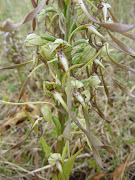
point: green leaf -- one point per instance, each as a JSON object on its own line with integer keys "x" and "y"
{"x": 64, "y": 151}
{"x": 129, "y": 141}
{"x": 57, "y": 125}
{"x": 5, "y": 98}
{"x": 12, "y": 87}
{"x": 46, "y": 111}
{"x": 55, "y": 177}
{"x": 48, "y": 38}
{"x": 121, "y": 46}
{"x": 67, "y": 167}
{"x": 15, "y": 66}
{"x": 45, "y": 146}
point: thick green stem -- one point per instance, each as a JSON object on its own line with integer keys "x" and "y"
{"x": 86, "y": 118}
{"x": 60, "y": 143}
{"x": 69, "y": 20}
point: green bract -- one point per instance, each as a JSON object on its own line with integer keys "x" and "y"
{"x": 88, "y": 53}
{"x": 91, "y": 81}
{"x": 75, "y": 83}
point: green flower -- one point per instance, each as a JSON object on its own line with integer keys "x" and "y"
{"x": 60, "y": 44}
{"x": 49, "y": 87}
{"x": 54, "y": 158}
{"x": 45, "y": 51}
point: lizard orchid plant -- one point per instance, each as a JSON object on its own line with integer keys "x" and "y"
{"x": 74, "y": 48}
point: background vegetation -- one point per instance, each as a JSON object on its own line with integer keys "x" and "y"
{"x": 21, "y": 163}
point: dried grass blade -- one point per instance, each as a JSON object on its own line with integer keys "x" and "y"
{"x": 8, "y": 26}
{"x": 23, "y": 88}
{"x": 15, "y": 66}
{"x": 113, "y": 16}
{"x": 94, "y": 142}
{"x": 129, "y": 35}
{"x": 120, "y": 65}
{"x": 34, "y": 3}
{"x": 34, "y": 24}
{"x": 22, "y": 142}
{"x": 106, "y": 89}
{"x": 99, "y": 111}
{"x": 126, "y": 91}
{"x": 122, "y": 46}
{"x": 115, "y": 27}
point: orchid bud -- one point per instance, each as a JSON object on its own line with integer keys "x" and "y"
{"x": 103, "y": 50}
{"x": 51, "y": 90}
{"x": 78, "y": 96}
{"x": 41, "y": 16}
{"x": 63, "y": 59}
{"x": 104, "y": 9}
{"x": 60, "y": 46}
{"x": 34, "y": 40}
